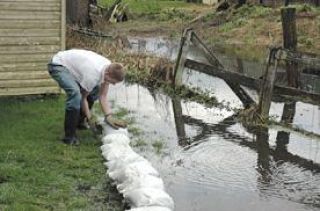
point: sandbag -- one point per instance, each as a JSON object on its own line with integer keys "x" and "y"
{"x": 119, "y": 163}
{"x": 144, "y": 197}
{"x": 108, "y": 130}
{"x": 133, "y": 171}
{"x": 117, "y": 152}
{"x": 145, "y": 181}
{"x": 116, "y": 137}
{"x": 152, "y": 208}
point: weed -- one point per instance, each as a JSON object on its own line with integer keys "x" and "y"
{"x": 139, "y": 143}
{"x": 158, "y": 145}
{"x": 134, "y": 131}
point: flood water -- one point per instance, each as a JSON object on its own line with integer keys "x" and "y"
{"x": 209, "y": 161}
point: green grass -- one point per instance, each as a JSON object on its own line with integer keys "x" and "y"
{"x": 158, "y": 146}
{"x": 147, "y": 6}
{"x": 38, "y": 172}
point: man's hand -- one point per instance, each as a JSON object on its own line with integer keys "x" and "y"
{"x": 115, "y": 123}
{"x": 92, "y": 122}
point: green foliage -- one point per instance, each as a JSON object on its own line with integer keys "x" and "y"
{"x": 38, "y": 172}
{"x": 139, "y": 143}
{"x": 174, "y": 14}
{"x": 147, "y": 6}
{"x": 158, "y": 145}
{"x": 247, "y": 11}
{"x": 305, "y": 8}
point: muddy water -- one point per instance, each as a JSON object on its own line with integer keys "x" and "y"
{"x": 209, "y": 162}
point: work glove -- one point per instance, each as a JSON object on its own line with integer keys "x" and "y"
{"x": 92, "y": 122}
{"x": 113, "y": 122}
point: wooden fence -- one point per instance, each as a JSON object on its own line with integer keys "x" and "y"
{"x": 31, "y": 31}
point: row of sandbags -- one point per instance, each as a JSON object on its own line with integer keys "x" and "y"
{"x": 133, "y": 175}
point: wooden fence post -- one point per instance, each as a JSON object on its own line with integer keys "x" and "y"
{"x": 182, "y": 55}
{"x": 180, "y": 125}
{"x": 288, "y": 16}
{"x": 267, "y": 85}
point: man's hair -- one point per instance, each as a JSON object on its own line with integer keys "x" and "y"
{"x": 116, "y": 71}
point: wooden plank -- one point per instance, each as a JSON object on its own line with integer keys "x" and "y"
{"x": 214, "y": 71}
{"x": 24, "y": 75}
{"x": 18, "y": 6}
{"x": 300, "y": 57}
{"x": 266, "y": 90}
{"x": 243, "y": 96}
{"x": 301, "y": 95}
{"x": 182, "y": 55}
{"x": 27, "y": 24}
{"x": 32, "y": 1}
{"x": 29, "y": 32}
{"x": 27, "y": 15}
{"x": 29, "y": 41}
{"x": 29, "y": 91}
{"x": 27, "y": 83}
{"x": 26, "y": 57}
{"x": 63, "y": 24}
{"x": 207, "y": 53}
{"x": 23, "y": 66}
{"x": 26, "y": 49}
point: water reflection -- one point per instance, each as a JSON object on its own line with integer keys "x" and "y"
{"x": 270, "y": 161}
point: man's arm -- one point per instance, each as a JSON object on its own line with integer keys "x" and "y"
{"x": 103, "y": 98}
{"x": 84, "y": 104}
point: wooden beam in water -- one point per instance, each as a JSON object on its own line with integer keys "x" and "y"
{"x": 195, "y": 40}
{"x": 253, "y": 83}
{"x": 266, "y": 89}
{"x": 225, "y": 75}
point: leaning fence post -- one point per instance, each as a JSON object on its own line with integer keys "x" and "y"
{"x": 266, "y": 89}
{"x": 288, "y": 16}
{"x": 182, "y": 55}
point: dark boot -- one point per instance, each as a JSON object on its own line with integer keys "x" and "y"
{"x": 70, "y": 125}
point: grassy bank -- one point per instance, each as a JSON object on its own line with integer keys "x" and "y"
{"x": 37, "y": 172}
{"x": 246, "y": 32}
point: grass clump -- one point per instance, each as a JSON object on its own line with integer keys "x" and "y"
{"x": 147, "y": 7}
{"x": 139, "y": 143}
{"x": 158, "y": 146}
{"x": 38, "y": 172}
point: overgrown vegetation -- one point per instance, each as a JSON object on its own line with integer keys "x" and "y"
{"x": 150, "y": 7}
{"x": 246, "y": 31}
{"x": 38, "y": 172}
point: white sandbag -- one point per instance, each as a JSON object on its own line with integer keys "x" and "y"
{"x": 144, "y": 197}
{"x": 107, "y": 129}
{"x": 145, "y": 181}
{"x": 114, "y": 145}
{"x": 123, "y": 161}
{"x": 133, "y": 171}
{"x": 152, "y": 208}
{"x": 117, "y": 152}
{"x": 116, "y": 137}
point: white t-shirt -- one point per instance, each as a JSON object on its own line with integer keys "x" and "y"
{"x": 86, "y": 66}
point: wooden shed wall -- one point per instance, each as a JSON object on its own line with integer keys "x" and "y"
{"x": 31, "y": 31}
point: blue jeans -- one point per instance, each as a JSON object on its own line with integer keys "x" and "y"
{"x": 68, "y": 83}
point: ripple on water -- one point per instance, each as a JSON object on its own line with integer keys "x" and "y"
{"x": 218, "y": 164}
{"x": 288, "y": 181}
